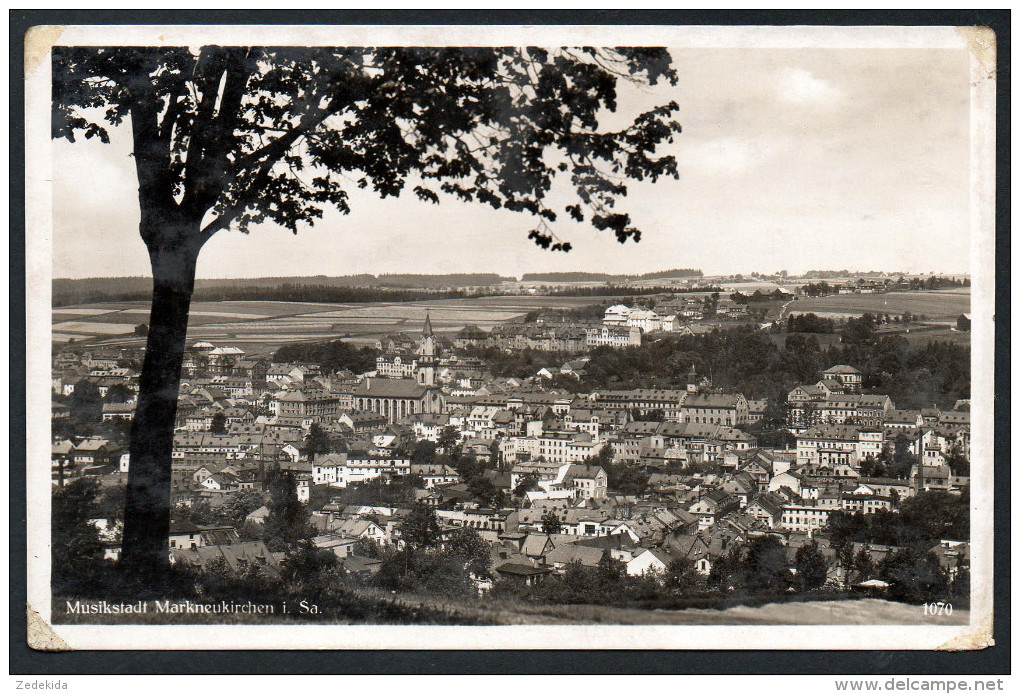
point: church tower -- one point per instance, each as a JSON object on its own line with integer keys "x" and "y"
{"x": 427, "y": 356}
{"x": 692, "y": 380}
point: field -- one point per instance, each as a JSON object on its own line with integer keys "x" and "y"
{"x": 937, "y": 306}
{"x": 262, "y": 326}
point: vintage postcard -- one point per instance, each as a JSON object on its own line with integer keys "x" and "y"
{"x": 510, "y": 337}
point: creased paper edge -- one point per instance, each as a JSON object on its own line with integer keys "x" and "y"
{"x": 982, "y": 44}
{"x": 41, "y": 636}
{"x": 972, "y": 640}
{"x": 38, "y": 42}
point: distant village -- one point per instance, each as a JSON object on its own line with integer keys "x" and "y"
{"x": 545, "y": 490}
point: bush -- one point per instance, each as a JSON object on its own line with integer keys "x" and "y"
{"x": 914, "y": 575}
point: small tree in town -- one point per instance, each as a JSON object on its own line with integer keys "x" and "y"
{"x": 914, "y": 575}
{"x": 449, "y": 437}
{"x": 287, "y": 521}
{"x": 682, "y": 577}
{"x": 551, "y": 523}
{"x": 812, "y": 567}
{"x": 218, "y": 424}
{"x": 525, "y": 484}
{"x": 318, "y": 441}
{"x": 764, "y": 567}
{"x": 470, "y": 547}
{"x": 420, "y": 529}
{"x": 118, "y": 393}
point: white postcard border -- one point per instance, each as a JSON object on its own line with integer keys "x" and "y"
{"x": 300, "y": 636}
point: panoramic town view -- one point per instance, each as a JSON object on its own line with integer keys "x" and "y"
{"x": 480, "y": 335}
{"x": 554, "y": 448}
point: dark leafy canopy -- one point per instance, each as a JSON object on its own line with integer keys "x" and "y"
{"x": 812, "y": 568}
{"x": 288, "y": 519}
{"x": 257, "y": 134}
{"x": 334, "y": 355}
{"x": 926, "y": 518}
{"x": 421, "y": 527}
{"x": 914, "y": 575}
{"x": 551, "y": 523}
{"x": 77, "y": 546}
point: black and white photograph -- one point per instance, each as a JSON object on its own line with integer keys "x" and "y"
{"x": 578, "y": 336}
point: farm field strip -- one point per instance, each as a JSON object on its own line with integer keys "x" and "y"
{"x": 217, "y": 314}
{"x": 417, "y": 312}
{"x": 93, "y": 327}
{"x": 931, "y": 304}
{"x": 79, "y": 311}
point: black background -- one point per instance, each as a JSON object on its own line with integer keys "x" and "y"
{"x": 23, "y": 660}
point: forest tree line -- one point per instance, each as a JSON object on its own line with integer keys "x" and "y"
{"x": 746, "y": 360}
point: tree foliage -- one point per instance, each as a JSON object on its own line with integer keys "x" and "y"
{"x": 681, "y": 577}
{"x": 257, "y": 134}
{"x": 77, "y": 548}
{"x": 914, "y": 575}
{"x": 319, "y": 442}
{"x": 925, "y": 518}
{"x": 471, "y": 548}
{"x": 86, "y": 403}
{"x": 420, "y": 528}
{"x": 449, "y": 437}
{"x": 810, "y": 323}
{"x": 811, "y": 565}
{"x": 288, "y": 518}
{"x": 334, "y": 355}
{"x": 218, "y": 424}
{"x": 525, "y": 484}
{"x": 433, "y": 572}
{"x": 746, "y": 360}
{"x": 765, "y": 566}
{"x": 551, "y": 523}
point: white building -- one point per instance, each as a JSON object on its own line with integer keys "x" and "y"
{"x": 613, "y": 336}
{"x": 340, "y": 469}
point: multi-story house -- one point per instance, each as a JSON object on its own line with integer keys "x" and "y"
{"x": 714, "y": 408}
{"x": 850, "y": 377}
{"x": 342, "y": 469}
{"x": 396, "y": 365}
{"x": 612, "y": 336}
{"x": 805, "y": 517}
{"x": 643, "y": 401}
{"x": 300, "y": 405}
{"x": 819, "y": 445}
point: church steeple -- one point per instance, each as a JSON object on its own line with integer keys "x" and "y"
{"x": 692, "y": 380}
{"x": 427, "y": 355}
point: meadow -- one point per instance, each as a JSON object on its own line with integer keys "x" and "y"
{"x": 938, "y": 306}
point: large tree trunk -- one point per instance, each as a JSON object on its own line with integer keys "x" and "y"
{"x": 173, "y": 253}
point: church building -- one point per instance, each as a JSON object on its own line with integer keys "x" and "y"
{"x": 396, "y": 398}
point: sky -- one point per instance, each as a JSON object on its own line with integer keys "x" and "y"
{"x": 792, "y": 159}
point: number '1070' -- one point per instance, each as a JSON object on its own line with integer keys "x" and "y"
{"x": 938, "y": 608}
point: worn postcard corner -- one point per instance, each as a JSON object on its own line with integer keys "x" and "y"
{"x": 972, "y": 639}
{"x": 41, "y": 636}
{"x": 38, "y": 42}
{"x": 982, "y": 44}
